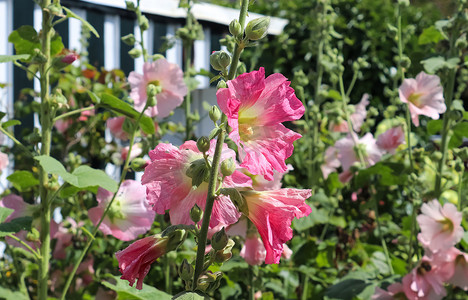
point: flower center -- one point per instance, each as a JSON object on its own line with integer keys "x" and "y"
{"x": 246, "y": 127}
{"x": 115, "y": 211}
{"x": 447, "y": 225}
{"x": 415, "y": 98}
{"x": 155, "y": 82}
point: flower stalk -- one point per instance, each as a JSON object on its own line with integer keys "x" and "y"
{"x": 213, "y": 182}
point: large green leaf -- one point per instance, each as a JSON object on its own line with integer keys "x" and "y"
{"x": 4, "y": 213}
{"x": 125, "y": 291}
{"x": 15, "y": 225}
{"x": 8, "y": 294}
{"x": 8, "y": 58}
{"x": 23, "y": 180}
{"x": 25, "y": 39}
{"x": 82, "y": 177}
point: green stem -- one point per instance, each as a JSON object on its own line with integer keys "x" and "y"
{"x": 18, "y": 143}
{"x": 46, "y": 116}
{"x": 167, "y": 275}
{"x": 19, "y": 65}
{"x": 305, "y": 291}
{"x": 188, "y": 44}
{"x": 73, "y": 112}
{"x": 36, "y": 255}
{"x": 96, "y": 228}
{"x": 251, "y": 283}
{"x": 379, "y": 228}
{"x": 216, "y": 160}
{"x": 351, "y": 85}
{"x": 142, "y": 43}
{"x": 460, "y": 189}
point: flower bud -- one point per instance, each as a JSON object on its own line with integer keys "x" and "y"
{"x": 461, "y": 42}
{"x": 134, "y": 53}
{"x": 219, "y": 240}
{"x": 228, "y": 166}
{"x": 203, "y": 144}
{"x": 176, "y": 238}
{"x": 235, "y": 28}
{"x": 139, "y": 164}
{"x": 405, "y": 62}
{"x": 203, "y": 283}
{"x": 143, "y": 23}
{"x": 196, "y": 214}
{"x": 155, "y": 57}
{"x": 186, "y": 270}
{"x": 70, "y": 57}
{"x": 221, "y": 84}
{"x": 241, "y": 69}
{"x": 129, "y": 39}
{"x": 225, "y": 254}
{"x": 404, "y": 3}
{"x": 257, "y": 28}
{"x": 220, "y": 60}
{"x": 130, "y": 5}
{"x": 215, "y": 113}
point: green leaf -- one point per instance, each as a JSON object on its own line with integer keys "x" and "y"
{"x": 113, "y": 103}
{"x": 459, "y": 132}
{"x": 434, "y": 64}
{"x": 4, "y": 213}
{"x": 94, "y": 97}
{"x": 8, "y": 294}
{"x": 15, "y": 225}
{"x": 10, "y": 123}
{"x": 8, "y": 58}
{"x": 317, "y": 216}
{"x": 348, "y": 289}
{"x": 23, "y": 180}
{"x": 387, "y": 174}
{"x": 71, "y": 14}
{"x": 25, "y": 40}
{"x": 82, "y": 177}
{"x": 430, "y": 35}
{"x": 124, "y": 291}
{"x": 190, "y": 296}
{"x": 434, "y": 126}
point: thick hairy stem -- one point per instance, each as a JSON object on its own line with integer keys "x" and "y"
{"x": 46, "y": 125}
{"x": 215, "y": 165}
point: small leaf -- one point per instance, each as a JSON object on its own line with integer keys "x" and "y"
{"x": 15, "y": 225}
{"x": 23, "y": 180}
{"x": 8, "y": 58}
{"x": 124, "y": 291}
{"x": 10, "y": 123}
{"x": 430, "y": 35}
{"x": 71, "y": 14}
{"x": 87, "y": 176}
{"x": 94, "y": 97}
{"x": 190, "y": 296}
{"x": 214, "y": 133}
{"x": 4, "y": 213}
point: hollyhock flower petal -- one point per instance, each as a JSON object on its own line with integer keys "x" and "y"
{"x": 129, "y": 215}
{"x": 64, "y": 237}
{"x": 136, "y": 151}
{"x": 347, "y": 153}
{"x": 394, "y": 291}
{"x": 115, "y": 126}
{"x": 164, "y": 74}
{"x": 357, "y": 118}
{"x": 287, "y": 252}
{"x": 424, "y": 96}
{"x": 253, "y": 251}
{"x": 256, "y": 106}
{"x": 331, "y": 162}
{"x": 4, "y": 161}
{"x": 391, "y": 139}
{"x": 272, "y": 213}
{"x": 440, "y": 226}
{"x": 460, "y": 265}
{"x": 62, "y": 125}
{"x": 135, "y": 260}
{"x": 15, "y": 202}
{"x": 169, "y": 187}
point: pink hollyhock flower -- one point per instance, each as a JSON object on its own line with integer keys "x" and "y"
{"x": 460, "y": 265}
{"x": 160, "y": 73}
{"x": 86, "y": 114}
{"x": 424, "y": 96}
{"x": 287, "y": 252}
{"x": 357, "y": 118}
{"x": 347, "y": 150}
{"x": 115, "y": 126}
{"x": 21, "y": 208}
{"x": 331, "y": 162}
{"x": 259, "y": 183}
{"x": 85, "y": 273}
{"x": 129, "y": 216}
{"x": 272, "y": 212}
{"x": 62, "y": 125}
{"x": 136, "y": 151}
{"x": 4, "y": 161}
{"x": 255, "y": 108}
{"x": 253, "y": 250}
{"x": 135, "y": 260}
{"x": 64, "y": 237}
{"x": 426, "y": 281}
{"x": 391, "y": 139}
{"x": 169, "y": 187}
{"x": 440, "y": 226}
{"x": 394, "y": 291}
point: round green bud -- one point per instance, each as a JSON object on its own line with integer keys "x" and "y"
{"x": 143, "y": 23}
{"x": 196, "y": 214}
{"x": 129, "y": 39}
{"x": 215, "y": 113}
{"x": 235, "y": 28}
{"x": 450, "y": 196}
{"x": 130, "y": 5}
{"x": 151, "y": 90}
{"x": 219, "y": 240}
{"x": 437, "y": 155}
{"x": 228, "y": 166}
{"x": 257, "y": 28}
{"x": 138, "y": 164}
{"x": 155, "y": 57}
{"x": 134, "y": 53}
{"x": 221, "y": 84}
{"x": 403, "y": 3}
{"x": 186, "y": 270}
{"x": 405, "y": 62}
{"x": 203, "y": 144}
{"x": 220, "y": 60}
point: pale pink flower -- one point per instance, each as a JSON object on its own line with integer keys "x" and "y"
{"x": 460, "y": 265}
{"x": 272, "y": 213}
{"x": 331, "y": 162}
{"x": 136, "y": 151}
{"x": 63, "y": 124}
{"x": 160, "y": 73}
{"x": 287, "y": 252}
{"x": 21, "y": 208}
{"x": 424, "y": 96}
{"x": 129, "y": 216}
{"x": 135, "y": 260}
{"x": 115, "y": 126}
{"x": 253, "y": 250}
{"x": 4, "y": 161}
{"x": 394, "y": 291}
{"x": 426, "y": 281}
{"x": 391, "y": 139}
{"x": 85, "y": 273}
{"x": 169, "y": 187}
{"x": 440, "y": 226}
{"x": 357, "y": 118}
{"x": 347, "y": 153}
{"x": 255, "y": 108}
{"x": 64, "y": 236}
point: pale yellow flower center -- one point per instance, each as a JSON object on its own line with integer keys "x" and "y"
{"x": 415, "y": 98}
